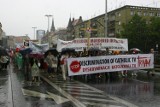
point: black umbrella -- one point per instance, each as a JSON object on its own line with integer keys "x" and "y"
{"x": 3, "y": 52}
{"x": 25, "y": 51}
{"x": 93, "y": 49}
{"x": 53, "y": 51}
{"x": 67, "y": 50}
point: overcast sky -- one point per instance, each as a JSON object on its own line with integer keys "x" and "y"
{"x": 19, "y": 16}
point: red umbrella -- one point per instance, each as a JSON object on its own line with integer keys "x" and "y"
{"x": 135, "y": 49}
{"x": 17, "y": 49}
{"x": 36, "y": 55}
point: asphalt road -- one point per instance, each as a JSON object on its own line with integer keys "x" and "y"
{"x": 140, "y": 91}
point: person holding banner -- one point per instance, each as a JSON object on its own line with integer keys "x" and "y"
{"x": 84, "y": 53}
{"x": 63, "y": 62}
{"x": 134, "y": 72}
{"x": 124, "y": 72}
{"x": 152, "y": 71}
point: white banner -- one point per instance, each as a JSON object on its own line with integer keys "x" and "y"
{"x": 99, "y": 64}
{"x": 44, "y": 46}
{"x": 79, "y": 43}
{"x": 35, "y": 48}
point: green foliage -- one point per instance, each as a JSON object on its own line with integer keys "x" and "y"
{"x": 141, "y": 35}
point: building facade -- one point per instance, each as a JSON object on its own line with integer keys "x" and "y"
{"x": 10, "y": 42}
{"x": 1, "y": 34}
{"x": 49, "y": 36}
{"x": 40, "y": 34}
{"x": 95, "y": 27}
{"x": 19, "y": 40}
{"x": 71, "y": 31}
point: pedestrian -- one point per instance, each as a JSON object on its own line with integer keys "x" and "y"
{"x": 35, "y": 70}
{"x": 63, "y": 63}
{"x": 50, "y": 59}
{"x": 27, "y": 68}
{"x": 107, "y": 51}
{"x": 134, "y": 72}
{"x": 107, "y": 74}
{"x": 19, "y": 61}
{"x": 84, "y": 53}
{"x": 124, "y": 72}
{"x": 4, "y": 60}
{"x": 152, "y": 71}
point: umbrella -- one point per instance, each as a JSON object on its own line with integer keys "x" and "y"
{"x": 93, "y": 49}
{"x": 3, "y": 52}
{"x": 52, "y": 50}
{"x": 25, "y": 51}
{"x": 135, "y": 49}
{"x": 67, "y": 50}
{"x": 36, "y": 55}
{"x": 17, "y": 49}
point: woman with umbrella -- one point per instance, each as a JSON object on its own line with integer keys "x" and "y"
{"x": 52, "y": 63}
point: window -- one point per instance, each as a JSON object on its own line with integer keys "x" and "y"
{"x": 145, "y": 13}
{"x": 147, "y": 22}
{"x": 132, "y": 13}
{"x": 151, "y": 14}
{"x": 118, "y": 30}
{"x": 119, "y": 23}
{"x": 119, "y": 14}
{"x": 139, "y": 13}
{"x": 158, "y": 14}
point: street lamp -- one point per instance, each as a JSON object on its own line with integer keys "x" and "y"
{"x": 48, "y": 16}
{"x": 157, "y": 47}
{"x": 34, "y": 28}
{"x": 106, "y": 21}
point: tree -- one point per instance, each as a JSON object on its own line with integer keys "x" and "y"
{"x": 136, "y": 31}
{"x": 154, "y": 37}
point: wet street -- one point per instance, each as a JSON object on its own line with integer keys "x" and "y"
{"x": 142, "y": 91}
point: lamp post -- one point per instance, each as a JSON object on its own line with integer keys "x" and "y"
{"x": 48, "y": 16}
{"x": 106, "y": 21}
{"x": 157, "y": 47}
{"x": 34, "y": 28}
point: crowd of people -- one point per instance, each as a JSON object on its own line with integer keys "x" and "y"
{"x": 4, "y": 61}
{"x": 57, "y": 64}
